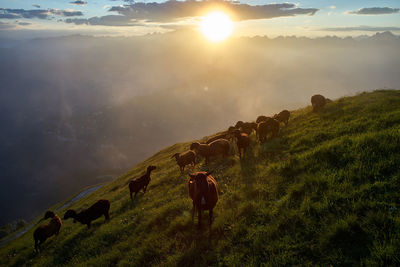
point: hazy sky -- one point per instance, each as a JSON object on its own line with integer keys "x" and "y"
{"x": 252, "y": 17}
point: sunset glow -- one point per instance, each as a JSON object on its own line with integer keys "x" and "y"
{"x": 216, "y": 26}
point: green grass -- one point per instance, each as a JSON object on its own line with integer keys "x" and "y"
{"x": 325, "y": 192}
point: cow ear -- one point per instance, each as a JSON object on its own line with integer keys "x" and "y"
{"x": 209, "y": 173}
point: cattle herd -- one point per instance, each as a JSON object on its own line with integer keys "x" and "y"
{"x": 202, "y": 186}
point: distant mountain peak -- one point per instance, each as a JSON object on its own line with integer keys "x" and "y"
{"x": 384, "y": 36}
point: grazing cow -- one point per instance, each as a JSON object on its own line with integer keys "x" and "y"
{"x": 283, "y": 116}
{"x": 86, "y": 216}
{"x": 185, "y": 158}
{"x": 47, "y": 230}
{"x": 262, "y": 118}
{"x": 215, "y": 148}
{"x": 266, "y": 127}
{"x": 318, "y": 102}
{"x": 246, "y": 127}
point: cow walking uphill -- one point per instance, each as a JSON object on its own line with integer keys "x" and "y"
{"x": 141, "y": 183}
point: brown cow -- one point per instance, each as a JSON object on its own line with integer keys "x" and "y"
{"x": 283, "y": 116}
{"x": 142, "y": 182}
{"x": 86, "y": 216}
{"x": 185, "y": 158}
{"x": 242, "y": 142}
{"x": 215, "y": 148}
{"x": 262, "y": 118}
{"x": 318, "y": 102}
{"x": 246, "y": 127}
{"x": 203, "y": 190}
{"x": 47, "y": 230}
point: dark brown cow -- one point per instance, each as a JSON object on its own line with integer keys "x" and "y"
{"x": 318, "y": 102}
{"x": 215, "y": 148}
{"x": 86, "y": 216}
{"x": 142, "y": 182}
{"x": 262, "y": 118}
{"x": 203, "y": 190}
{"x": 185, "y": 158}
{"x": 47, "y": 230}
{"x": 242, "y": 142}
{"x": 246, "y": 127}
{"x": 283, "y": 116}
{"x": 266, "y": 127}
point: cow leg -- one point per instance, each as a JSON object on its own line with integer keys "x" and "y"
{"x": 211, "y": 217}
{"x": 199, "y": 218}
{"x": 37, "y": 246}
{"x": 106, "y": 216}
{"x": 193, "y": 211}
{"x": 131, "y": 195}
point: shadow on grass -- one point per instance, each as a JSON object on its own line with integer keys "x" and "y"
{"x": 71, "y": 247}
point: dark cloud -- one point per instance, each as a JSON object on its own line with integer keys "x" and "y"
{"x": 37, "y": 6}
{"x": 133, "y": 13}
{"x": 8, "y": 13}
{"x": 172, "y": 10}
{"x": 78, "y": 2}
{"x": 109, "y": 20}
{"x": 23, "y": 23}
{"x": 66, "y": 13}
{"x": 22, "y": 13}
{"x": 360, "y": 28}
{"x": 375, "y": 11}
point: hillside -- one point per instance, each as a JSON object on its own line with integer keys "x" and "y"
{"x": 326, "y": 191}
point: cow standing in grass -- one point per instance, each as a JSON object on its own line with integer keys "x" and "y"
{"x": 203, "y": 190}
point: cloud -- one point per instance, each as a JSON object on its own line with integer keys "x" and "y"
{"x": 109, "y": 20}
{"x": 6, "y": 26}
{"x": 66, "y": 12}
{"x": 8, "y": 13}
{"x": 23, "y": 23}
{"x": 133, "y": 13}
{"x": 360, "y": 28}
{"x": 78, "y": 2}
{"x": 8, "y": 16}
{"x": 173, "y": 10}
{"x": 375, "y": 11}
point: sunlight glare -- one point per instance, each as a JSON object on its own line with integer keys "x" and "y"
{"x": 216, "y": 26}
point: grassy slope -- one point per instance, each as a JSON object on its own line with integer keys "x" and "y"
{"x": 327, "y": 191}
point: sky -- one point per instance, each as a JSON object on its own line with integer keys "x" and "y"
{"x": 252, "y": 17}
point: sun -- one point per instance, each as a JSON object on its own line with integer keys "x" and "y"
{"x": 216, "y": 26}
